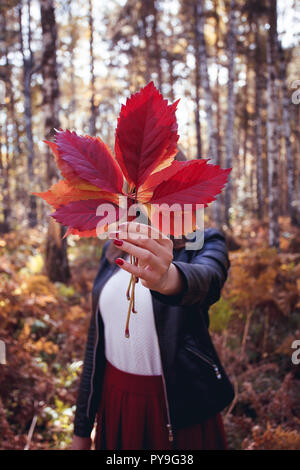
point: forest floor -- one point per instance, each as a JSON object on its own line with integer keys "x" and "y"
{"x": 253, "y": 325}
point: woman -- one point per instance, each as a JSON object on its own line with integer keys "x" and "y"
{"x": 163, "y": 387}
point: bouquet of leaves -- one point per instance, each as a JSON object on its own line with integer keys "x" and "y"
{"x": 142, "y": 170}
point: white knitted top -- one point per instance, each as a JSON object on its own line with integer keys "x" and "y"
{"x": 138, "y": 354}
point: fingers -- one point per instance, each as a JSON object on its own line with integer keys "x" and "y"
{"x": 142, "y": 230}
{"x": 138, "y": 271}
{"x": 145, "y": 257}
{"x": 145, "y": 236}
{"x": 154, "y": 255}
{"x": 147, "y": 243}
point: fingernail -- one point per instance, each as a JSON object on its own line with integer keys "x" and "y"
{"x": 119, "y": 261}
{"x": 118, "y": 242}
{"x": 114, "y": 235}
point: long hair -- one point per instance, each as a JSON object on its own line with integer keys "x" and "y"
{"x": 114, "y": 252}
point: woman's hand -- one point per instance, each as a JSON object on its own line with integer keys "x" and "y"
{"x": 154, "y": 252}
{"x": 81, "y": 443}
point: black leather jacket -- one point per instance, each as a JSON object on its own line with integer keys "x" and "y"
{"x": 195, "y": 383}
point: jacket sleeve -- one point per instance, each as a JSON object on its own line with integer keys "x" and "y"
{"x": 205, "y": 274}
{"x": 83, "y": 423}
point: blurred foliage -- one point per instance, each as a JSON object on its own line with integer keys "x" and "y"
{"x": 220, "y": 315}
{"x": 274, "y": 438}
{"x": 44, "y": 326}
{"x": 254, "y": 325}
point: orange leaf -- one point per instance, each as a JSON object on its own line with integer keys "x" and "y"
{"x": 62, "y": 193}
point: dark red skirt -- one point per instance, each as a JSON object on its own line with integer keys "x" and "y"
{"x": 132, "y": 416}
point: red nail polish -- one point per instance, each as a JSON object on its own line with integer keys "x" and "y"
{"x": 119, "y": 261}
{"x": 118, "y": 242}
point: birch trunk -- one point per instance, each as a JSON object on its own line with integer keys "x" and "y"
{"x": 3, "y": 226}
{"x": 231, "y": 107}
{"x": 171, "y": 77}
{"x": 6, "y": 163}
{"x": 204, "y": 77}
{"x": 258, "y": 124}
{"x": 6, "y": 175}
{"x": 212, "y": 131}
{"x": 56, "y": 247}
{"x": 246, "y": 120}
{"x": 287, "y": 138}
{"x": 218, "y": 94}
{"x": 72, "y": 107}
{"x": 298, "y": 146}
{"x": 197, "y": 86}
{"x": 27, "y": 72}
{"x": 272, "y": 136}
{"x": 147, "y": 46}
{"x": 157, "y": 45}
{"x": 92, "y": 71}
{"x": 218, "y": 205}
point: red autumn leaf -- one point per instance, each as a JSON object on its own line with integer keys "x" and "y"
{"x": 146, "y": 190}
{"x": 198, "y": 182}
{"x": 66, "y": 170}
{"x": 82, "y": 215}
{"x": 146, "y": 135}
{"x": 174, "y": 223}
{"x": 90, "y": 159}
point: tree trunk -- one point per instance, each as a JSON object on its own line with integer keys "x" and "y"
{"x": 297, "y": 147}
{"x": 259, "y": 86}
{"x": 56, "y": 247}
{"x": 298, "y": 153}
{"x": 231, "y": 107}
{"x": 272, "y": 136}
{"x": 246, "y": 119}
{"x": 212, "y": 131}
{"x": 147, "y": 45}
{"x": 92, "y": 71}
{"x": 218, "y": 94}
{"x": 6, "y": 175}
{"x": 72, "y": 107}
{"x": 157, "y": 45}
{"x": 204, "y": 77}
{"x": 27, "y": 71}
{"x": 16, "y": 152}
{"x": 197, "y": 85}
{"x": 219, "y": 203}
{"x": 287, "y": 138}
{"x": 171, "y": 77}
{"x": 5, "y": 225}
{"x": 6, "y": 167}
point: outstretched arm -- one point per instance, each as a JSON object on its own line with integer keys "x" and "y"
{"x": 175, "y": 282}
{"x": 204, "y": 275}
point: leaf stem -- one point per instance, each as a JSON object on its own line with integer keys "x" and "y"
{"x": 131, "y": 306}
